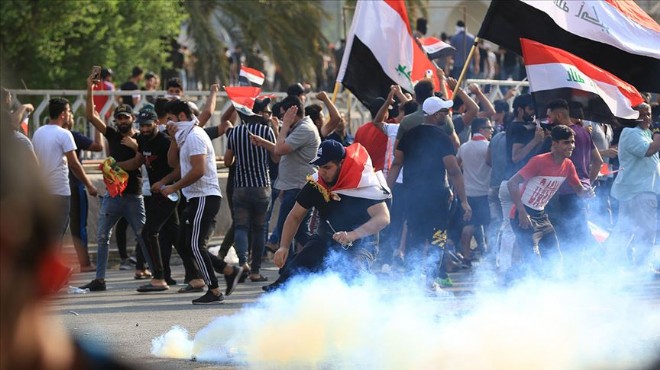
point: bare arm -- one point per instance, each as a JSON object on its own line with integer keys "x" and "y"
{"x": 198, "y": 164}
{"x": 229, "y": 116}
{"x": 596, "y": 163}
{"x": 379, "y": 120}
{"x": 209, "y": 107}
{"x": 17, "y": 116}
{"x": 456, "y": 178}
{"x": 380, "y": 217}
{"x": 281, "y": 147}
{"x": 514, "y": 189}
{"x": 289, "y": 229}
{"x": 79, "y": 172}
{"x": 269, "y": 145}
{"x": 172, "y": 176}
{"x": 229, "y": 158}
{"x": 91, "y": 114}
{"x": 97, "y": 145}
{"x": 487, "y": 105}
{"x": 332, "y": 123}
{"x": 395, "y": 168}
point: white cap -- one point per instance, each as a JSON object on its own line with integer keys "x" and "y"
{"x": 433, "y": 104}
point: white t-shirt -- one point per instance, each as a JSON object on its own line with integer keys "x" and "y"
{"x": 198, "y": 142}
{"x": 50, "y": 143}
{"x": 476, "y": 172}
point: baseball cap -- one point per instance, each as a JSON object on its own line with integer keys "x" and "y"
{"x": 433, "y": 104}
{"x": 146, "y": 116}
{"x": 260, "y": 105}
{"x": 329, "y": 150}
{"x": 124, "y": 109}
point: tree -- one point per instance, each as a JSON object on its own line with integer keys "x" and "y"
{"x": 53, "y": 44}
{"x": 287, "y": 31}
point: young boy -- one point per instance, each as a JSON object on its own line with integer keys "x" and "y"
{"x": 541, "y": 177}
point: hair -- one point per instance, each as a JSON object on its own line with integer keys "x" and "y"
{"x": 160, "y": 106}
{"x": 477, "y": 124}
{"x": 177, "y": 106}
{"x": 458, "y": 103}
{"x": 56, "y": 106}
{"x": 642, "y": 106}
{"x": 501, "y": 106}
{"x": 460, "y": 24}
{"x": 276, "y": 110}
{"x": 149, "y": 75}
{"x": 314, "y": 111}
{"x": 136, "y": 71}
{"x": 575, "y": 110}
{"x": 558, "y": 104}
{"x": 291, "y": 101}
{"x": 522, "y": 101}
{"x": 174, "y": 82}
{"x": 409, "y": 107}
{"x": 423, "y": 90}
{"x": 561, "y": 132}
{"x": 105, "y": 72}
{"x": 421, "y": 25}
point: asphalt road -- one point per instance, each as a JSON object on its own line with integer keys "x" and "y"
{"x": 125, "y": 322}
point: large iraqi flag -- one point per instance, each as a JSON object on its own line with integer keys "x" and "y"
{"x": 381, "y": 51}
{"x": 616, "y": 35}
{"x": 552, "y": 70}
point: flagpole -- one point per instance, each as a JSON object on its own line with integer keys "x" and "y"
{"x": 336, "y": 91}
{"x": 467, "y": 63}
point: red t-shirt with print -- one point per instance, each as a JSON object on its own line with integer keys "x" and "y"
{"x": 543, "y": 177}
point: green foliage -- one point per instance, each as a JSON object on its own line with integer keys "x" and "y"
{"x": 52, "y": 44}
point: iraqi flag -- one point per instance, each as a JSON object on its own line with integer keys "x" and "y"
{"x": 616, "y": 35}
{"x": 436, "y": 48}
{"x": 381, "y": 51}
{"x": 357, "y": 178}
{"x": 251, "y": 77}
{"x": 242, "y": 98}
{"x": 550, "y": 69}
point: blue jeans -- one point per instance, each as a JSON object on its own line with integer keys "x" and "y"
{"x": 250, "y": 209}
{"x": 129, "y": 206}
{"x": 286, "y": 205}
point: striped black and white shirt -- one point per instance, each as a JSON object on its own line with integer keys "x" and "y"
{"x": 251, "y": 160}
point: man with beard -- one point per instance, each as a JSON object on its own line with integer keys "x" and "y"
{"x": 428, "y": 157}
{"x": 130, "y": 203}
{"x": 199, "y": 184}
{"x": 523, "y": 141}
{"x": 152, "y": 146}
{"x": 350, "y": 198}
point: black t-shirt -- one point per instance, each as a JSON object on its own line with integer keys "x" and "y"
{"x": 123, "y": 153}
{"x": 424, "y": 148}
{"x": 155, "y": 155}
{"x": 518, "y": 133}
{"x": 128, "y": 86}
{"x": 346, "y": 214}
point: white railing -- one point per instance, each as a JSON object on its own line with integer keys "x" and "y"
{"x": 356, "y": 113}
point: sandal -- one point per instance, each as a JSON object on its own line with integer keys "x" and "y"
{"x": 142, "y": 274}
{"x": 152, "y": 288}
{"x": 259, "y": 279}
{"x": 190, "y": 289}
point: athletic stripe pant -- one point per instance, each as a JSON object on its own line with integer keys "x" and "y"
{"x": 198, "y": 220}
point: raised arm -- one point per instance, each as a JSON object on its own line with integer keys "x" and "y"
{"x": 332, "y": 123}
{"x": 489, "y": 110}
{"x": 90, "y": 112}
{"x": 209, "y": 107}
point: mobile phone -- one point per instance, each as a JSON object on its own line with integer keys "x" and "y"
{"x": 96, "y": 73}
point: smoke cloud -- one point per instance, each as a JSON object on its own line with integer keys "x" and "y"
{"x": 597, "y": 322}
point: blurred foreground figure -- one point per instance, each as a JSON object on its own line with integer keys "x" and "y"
{"x": 29, "y": 268}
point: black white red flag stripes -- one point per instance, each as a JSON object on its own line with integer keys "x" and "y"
{"x": 436, "y": 48}
{"x": 380, "y": 51}
{"x": 251, "y": 77}
{"x": 242, "y": 98}
{"x": 616, "y": 35}
{"x": 550, "y": 68}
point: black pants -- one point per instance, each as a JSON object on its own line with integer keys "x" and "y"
{"x": 313, "y": 258}
{"x": 198, "y": 221}
{"x": 160, "y": 232}
{"x": 120, "y": 236}
{"x": 539, "y": 246}
{"x": 182, "y": 249}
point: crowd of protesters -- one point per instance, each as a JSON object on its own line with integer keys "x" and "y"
{"x": 464, "y": 180}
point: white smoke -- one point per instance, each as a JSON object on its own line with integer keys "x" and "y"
{"x": 323, "y": 322}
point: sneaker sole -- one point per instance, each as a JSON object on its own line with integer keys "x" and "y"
{"x": 207, "y": 303}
